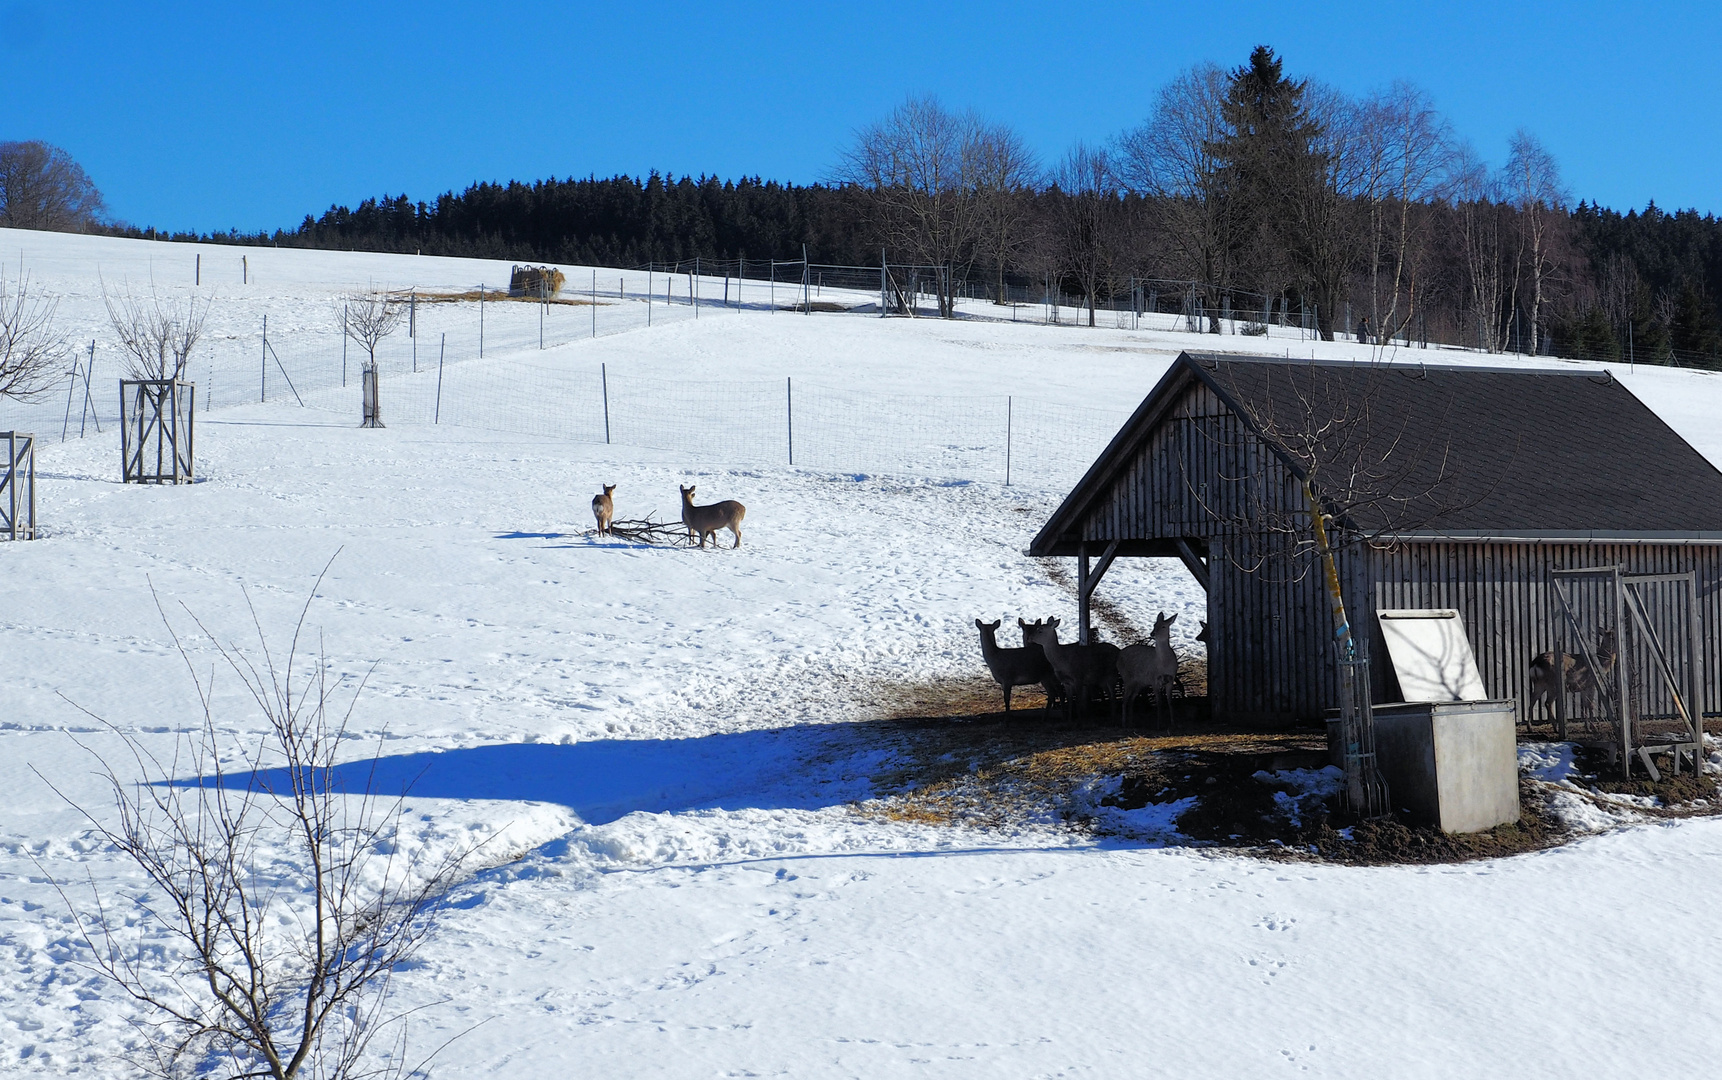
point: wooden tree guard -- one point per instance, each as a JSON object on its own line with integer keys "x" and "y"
{"x": 156, "y": 430}
{"x": 373, "y": 407}
{"x": 17, "y": 486}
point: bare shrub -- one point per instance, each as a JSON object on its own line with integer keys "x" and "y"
{"x": 289, "y": 899}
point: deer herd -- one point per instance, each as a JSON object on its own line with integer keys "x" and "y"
{"x": 1076, "y": 674}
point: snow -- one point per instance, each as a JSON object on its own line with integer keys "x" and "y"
{"x": 664, "y": 750}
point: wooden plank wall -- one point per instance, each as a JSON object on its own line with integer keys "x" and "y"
{"x": 1503, "y": 594}
{"x": 1200, "y": 475}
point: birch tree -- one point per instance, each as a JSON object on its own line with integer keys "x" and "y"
{"x": 1404, "y": 146}
{"x": 1534, "y": 179}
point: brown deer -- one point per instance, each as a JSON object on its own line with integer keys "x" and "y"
{"x": 1026, "y": 666}
{"x": 1152, "y": 667}
{"x": 1080, "y": 668}
{"x": 604, "y": 509}
{"x": 707, "y": 520}
{"x": 1578, "y": 675}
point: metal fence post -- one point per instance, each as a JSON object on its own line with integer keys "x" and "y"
{"x": 442, "y": 349}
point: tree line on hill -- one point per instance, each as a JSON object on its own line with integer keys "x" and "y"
{"x": 1245, "y": 193}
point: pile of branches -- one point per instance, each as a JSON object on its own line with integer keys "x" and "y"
{"x": 650, "y": 531}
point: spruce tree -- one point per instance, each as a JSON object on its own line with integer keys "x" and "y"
{"x": 1695, "y": 332}
{"x": 1275, "y": 184}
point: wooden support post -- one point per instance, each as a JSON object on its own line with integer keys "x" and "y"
{"x": 1087, "y": 578}
{"x": 1623, "y": 680}
{"x": 1192, "y": 562}
{"x": 1082, "y": 594}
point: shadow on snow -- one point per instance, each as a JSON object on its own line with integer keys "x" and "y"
{"x": 801, "y": 767}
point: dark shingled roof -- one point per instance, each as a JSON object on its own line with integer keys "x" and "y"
{"x": 1501, "y": 452}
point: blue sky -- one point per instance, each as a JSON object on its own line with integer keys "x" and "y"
{"x": 250, "y": 115}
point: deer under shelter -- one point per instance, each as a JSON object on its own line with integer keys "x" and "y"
{"x": 1551, "y": 509}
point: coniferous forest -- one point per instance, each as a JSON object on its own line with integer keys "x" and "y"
{"x": 1243, "y": 191}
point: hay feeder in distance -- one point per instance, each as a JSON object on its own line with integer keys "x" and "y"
{"x": 541, "y": 282}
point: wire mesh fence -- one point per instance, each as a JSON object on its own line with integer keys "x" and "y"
{"x": 430, "y": 373}
{"x": 294, "y": 350}
{"x": 999, "y": 439}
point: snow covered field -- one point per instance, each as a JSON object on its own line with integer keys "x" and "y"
{"x": 664, "y": 746}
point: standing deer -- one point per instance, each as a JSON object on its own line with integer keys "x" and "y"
{"x": 1152, "y": 667}
{"x": 1026, "y": 666}
{"x": 1080, "y": 668}
{"x": 604, "y": 509}
{"x": 1579, "y": 677}
{"x": 707, "y": 520}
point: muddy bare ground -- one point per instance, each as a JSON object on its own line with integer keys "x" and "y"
{"x": 956, "y": 758}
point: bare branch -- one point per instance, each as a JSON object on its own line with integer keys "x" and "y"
{"x": 371, "y": 317}
{"x": 289, "y": 899}
{"x": 156, "y": 334}
{"x": 33, "y": 354}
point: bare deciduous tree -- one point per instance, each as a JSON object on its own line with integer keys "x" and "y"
{"x": 1086, "y": 228}
{"x": 32, "y": 352}
{"x": 289, "y": 899}
{"x": 1328, "y": 461}
{"x": 1534, "y": 179}
{"x": 41, "y": 187}
{"x": 1489, "y": 286}
{"x": 1321, "y": 190}
{"x": 1404, "y": 148}
{"x": 924, "y": 167}
{"x": 1005, "y": 176}
{"x": 371, "y": 317}
{"x": 1172, "y": 160}
{"x": 156, "y": 334}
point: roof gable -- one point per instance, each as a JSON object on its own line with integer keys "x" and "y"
{"x": 1453, "y": 450}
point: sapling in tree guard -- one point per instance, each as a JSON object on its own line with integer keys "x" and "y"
{"x": 371, "y": 317}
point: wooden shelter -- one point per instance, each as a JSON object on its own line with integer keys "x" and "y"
{"x": 1544, "y": 506}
